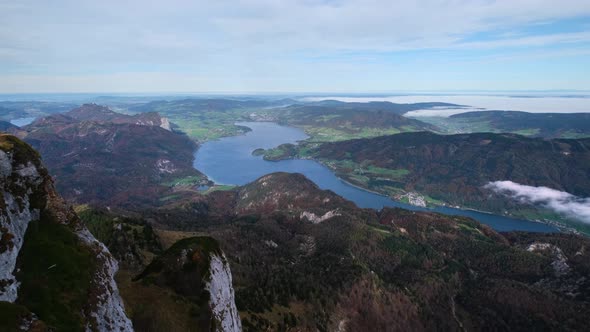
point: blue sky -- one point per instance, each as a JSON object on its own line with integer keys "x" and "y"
{"x": 293, "y": 46}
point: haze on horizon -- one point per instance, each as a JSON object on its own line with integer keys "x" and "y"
{"x": 294, "y": 46}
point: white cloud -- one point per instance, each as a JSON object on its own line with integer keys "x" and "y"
{"x": 274, "y": 39}
{"x": 558, "y": 201}
{"x": 112, "y": 30}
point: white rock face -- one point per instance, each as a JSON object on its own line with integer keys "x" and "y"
{"x": 108, "y": 311}
{"x": 165, "y": 124}
{"x": 165, "y": 166}
{"x": 222, "y": 301}
{"x": 14, "y": 220}
{"x": 559, "y": 264}
{"x": 315, "y": 219}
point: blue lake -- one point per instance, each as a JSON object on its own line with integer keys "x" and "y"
{"x": 22, "y": 121}
{"x": 230, "y": 161}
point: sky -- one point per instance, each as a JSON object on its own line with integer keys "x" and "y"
{"x": 359, "y": 46}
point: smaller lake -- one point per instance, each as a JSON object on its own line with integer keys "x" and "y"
{"x": 230, "y": 161}
{"x": 21, "y": 122}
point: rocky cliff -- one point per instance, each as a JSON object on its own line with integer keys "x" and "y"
{"x": 222, "y": 297}
{"x": 49, "y": 263}
{"x": 187, "y": 288}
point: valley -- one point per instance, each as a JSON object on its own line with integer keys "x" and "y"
{"x": 454, "y": 170}
{"x": 230, "y": 161}
{"x": 294, "y": 166}
{"x": 313, "y": 222}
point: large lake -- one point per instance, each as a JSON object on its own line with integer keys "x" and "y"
{"x": 230, "y": 161}
{"x": 21, "y": 122}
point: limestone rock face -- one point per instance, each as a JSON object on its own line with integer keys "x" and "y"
{"x": 222, "y": 299}
{"x": 18, "y": 183}
{"x": 27, "y": 196}
{"x": 196, "y": 273}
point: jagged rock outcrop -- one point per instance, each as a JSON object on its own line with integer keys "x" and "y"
{"x": 222, "y": 299}
{"x": 196, "y": 273}
{"x": 20, "y": 182}
{"x": 37, "y": 230}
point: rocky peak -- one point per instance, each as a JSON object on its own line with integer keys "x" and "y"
{"x": 22, "y": 196}
{"x": 37, "y": 229}
{"x": 99, "y": 113}
{"x": 289, "y": 192}
{"x": 197, "y": 270}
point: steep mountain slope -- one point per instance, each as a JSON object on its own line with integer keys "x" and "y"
{"x": 100, "y": 156}
{"x": 50, "y": 264}
{"x": 192, "y": 282}
{"x": 393, "y": 270}
{"x": 459, "y": 164}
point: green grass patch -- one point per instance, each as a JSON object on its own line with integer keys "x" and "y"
{"x": 192, "y": 180}
{"x": 169, "y": 198}
{"x": 55, "y": 274}
{"x": 218, "y": 188}
{"x": 386, "y": 172}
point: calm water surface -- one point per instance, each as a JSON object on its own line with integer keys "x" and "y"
{"x": 230, "y": 161}
{"x": 22, "y": 121}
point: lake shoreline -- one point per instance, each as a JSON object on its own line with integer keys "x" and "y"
{"x": 230, "y": 161}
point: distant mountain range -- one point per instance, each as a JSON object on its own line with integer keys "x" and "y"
{"x": 10, "y": 110}
{"x": 5, "y": 126}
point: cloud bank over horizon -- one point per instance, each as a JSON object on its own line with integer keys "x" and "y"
{"x": 558, "y": 201}
{"x": 296, "y": 45}
{"x": 479, "y": 102}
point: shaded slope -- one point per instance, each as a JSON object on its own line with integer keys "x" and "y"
{"x": 128, "y": 161}
{"x": 455, "y": 168}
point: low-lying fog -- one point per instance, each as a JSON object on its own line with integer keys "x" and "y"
{"x": 533, "y": 104}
